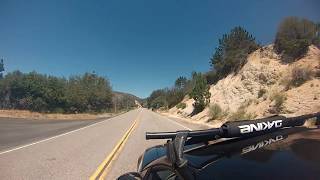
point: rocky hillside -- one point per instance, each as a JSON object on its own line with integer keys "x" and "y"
{"x": 264, "y": 86}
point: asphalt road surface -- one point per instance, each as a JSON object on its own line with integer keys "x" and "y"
{"x": 75, "y": 149}
{"x": 17, "y": 132}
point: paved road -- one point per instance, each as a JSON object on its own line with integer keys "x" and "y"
{"x": 17, "y": 132}
{"x": 136, "y": 144}
{"x": 77, "y": 154}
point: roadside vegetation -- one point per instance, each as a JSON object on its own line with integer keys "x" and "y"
{"x": 231, "y": 53}
{"x": 42, "y": 93}
{"x": 169, "y": 97}
{"x": 217, "y": 113}
{"x": 200, "y": 93}
{"x": 278, "y": 99}
{"x": 1, "y": 68}
{"x": 181, "y": 106}
{"x": 299, "y": 75}
{"x": 241, "y": 113}
{"x": 293, "y": 38}
{"x": 124, "y": 101}
{"x": 87, "y": 93}
{"x": 229, "y": 57}
{"x": 196, "y": 87}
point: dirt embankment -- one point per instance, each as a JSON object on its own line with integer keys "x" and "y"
{"x": 263, "y": 77}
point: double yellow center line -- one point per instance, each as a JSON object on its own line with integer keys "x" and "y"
{"x": 101, "y": 172}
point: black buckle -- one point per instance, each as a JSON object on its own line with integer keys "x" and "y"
{"x": 175, "y": 149}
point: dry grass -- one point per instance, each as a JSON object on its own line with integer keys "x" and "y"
{"x": 241, "y": 114}
{"x": 261, "y": 92}
{"x": 34, "y": 115}
{"x": 278, "y": 98}
{"x": 299, "y": 75}
{"x": 215, "y": 112}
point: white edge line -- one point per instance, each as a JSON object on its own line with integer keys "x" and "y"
{"x": 173, "y": 121}
{"x": 179, "y": 124}
{"x": 54, "y": 137}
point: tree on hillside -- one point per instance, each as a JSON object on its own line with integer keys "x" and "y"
{"x": 89, "y": 92}
{"x": 232, "y": 52}
{"x": 174, "y": 96}
{"x": 159, "y": 102}
{"x": 212, "y": 77}
{"x": 1, "y": 68}
{"x": 157, "y": 96}
{"x": 316, "y": 40}
{"x": 165, "y": 98}
{"x": 181, "y": 82}
{"x": 294, "y": 36}
{"x": 200, "y": 93}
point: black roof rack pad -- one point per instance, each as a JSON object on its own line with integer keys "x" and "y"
{"x": 240, "y": 128}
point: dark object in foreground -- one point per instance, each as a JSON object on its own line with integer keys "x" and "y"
{"x": 268, "y": 148}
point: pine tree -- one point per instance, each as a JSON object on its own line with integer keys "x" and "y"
{"x": 200, "y": 93}
{"x": 232, "y": 52}
{"x": 1, "y": 68}
{"x": 181, "y": 82}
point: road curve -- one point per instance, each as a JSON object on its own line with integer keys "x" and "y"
{"x": 78, "y": 153}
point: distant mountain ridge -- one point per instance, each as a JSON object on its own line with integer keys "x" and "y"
{"x": 122, "y": 100}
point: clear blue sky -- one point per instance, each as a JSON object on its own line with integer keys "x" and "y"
{"x": 139, "y": 45}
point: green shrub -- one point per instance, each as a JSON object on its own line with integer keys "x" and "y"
{"x": 279, "y": 98}
{"x": 200, "y": 93}
{"x": 215, "y": 111}
{"x": 294, "y": 36}
{"x": 261, "y": 92}
{"x": 181, "y": 106}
